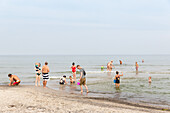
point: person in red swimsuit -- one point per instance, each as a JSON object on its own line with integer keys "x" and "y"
{"x": 74, "y": 72}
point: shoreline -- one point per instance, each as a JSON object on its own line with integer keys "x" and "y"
{"x": 26, "y": 98}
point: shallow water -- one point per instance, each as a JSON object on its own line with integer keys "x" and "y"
{"x": 133, "y": 88}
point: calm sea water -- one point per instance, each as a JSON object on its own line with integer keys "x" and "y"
{"x": 133, "y": 88}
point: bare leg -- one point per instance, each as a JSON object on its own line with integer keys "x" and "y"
{"x": 74, "y": 76}
{"x": 36, "y": 80}
{"x": 86, "y": 88}
{"x": 44, "y": 84}
{"x": 81, "y": 88}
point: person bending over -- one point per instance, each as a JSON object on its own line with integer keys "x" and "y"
{"x": 63, "y": 80}
{"x": 14, "y": 80}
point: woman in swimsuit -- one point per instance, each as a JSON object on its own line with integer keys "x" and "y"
{"x": 38, "y": 73}
{"x": 74, "y": 72}
{"x": 117, "y": 78}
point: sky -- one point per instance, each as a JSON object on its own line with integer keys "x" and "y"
{"x": 84, "y": 27}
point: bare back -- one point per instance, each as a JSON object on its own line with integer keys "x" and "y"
{"x": 45, "y": 69}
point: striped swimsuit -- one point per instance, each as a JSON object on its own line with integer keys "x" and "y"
{"x": 45, "y": 76}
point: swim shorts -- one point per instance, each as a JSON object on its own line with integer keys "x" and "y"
{"x": 45, "y": 76}
{"x": 16, "y": 83}
{"x": 83, "y": 81}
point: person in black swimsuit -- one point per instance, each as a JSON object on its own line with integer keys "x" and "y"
{"x": 117, "y": 78}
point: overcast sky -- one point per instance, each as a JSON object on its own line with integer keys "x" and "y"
{"x": 88, "y": 27}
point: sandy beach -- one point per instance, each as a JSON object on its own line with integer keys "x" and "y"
{"x": 31, "y": 99}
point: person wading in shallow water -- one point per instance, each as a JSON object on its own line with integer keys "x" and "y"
{"x": 74, "y": 72}
{"x": 110, "y": 66}
{"x": 82, "y": 78}
{"x": 137, "y": 67}
{"x": 117, "y": 78}
{"x": 45, "y": 71}
{"x": 14, "y": 80}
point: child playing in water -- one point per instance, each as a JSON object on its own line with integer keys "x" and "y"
{"x": 150, "y": 79}
{"x": 63, "y": 80}
{"x": 71, "y": 80}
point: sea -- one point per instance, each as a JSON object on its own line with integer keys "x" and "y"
{"x": 134, "y": 87}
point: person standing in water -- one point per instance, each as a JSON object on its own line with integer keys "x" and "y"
{"x": 120, "y": 62}
{"x": 38, "y": 73}
{"x": 14, "y": 80}
{"x": 137, "y": 67}
{"x": 74, "y": 72}
{"x": 150, "y": 81}
{"x": 143, "y": 61}
{"x": 117, "y": 79}
{"x": 110, "y": 66}
{"x": 45, "y": 71}
{"x": 82, "y": 78}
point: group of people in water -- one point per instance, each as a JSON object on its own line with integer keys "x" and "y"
{"x": 14, "y": 80}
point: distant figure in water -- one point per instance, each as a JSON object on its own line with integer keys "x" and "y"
{"x": 74, "y": 72}
{"x": 143, "y": 61}
{"x": 38, "y": 73}
{"x": 117, "y": 78}
{"x": 120, "y": 62}
{"x": 102, "y": 68}
{"x": 150, "y": 79}
{"x": 137, "y": 67}
{"x": 110, "y": 66}
{"x": 14, "y": 80}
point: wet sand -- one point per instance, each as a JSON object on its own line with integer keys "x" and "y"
{"x": 31, "y": 99}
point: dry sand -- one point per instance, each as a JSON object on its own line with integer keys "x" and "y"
{"x": 30, "y": 99}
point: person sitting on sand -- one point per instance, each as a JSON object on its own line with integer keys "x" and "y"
{"x": 14, "y": 80}
{"x": 117, "y": 78}
{"x": 71, "y": 80}
{"x": 82, "y": 78}
{"x": 150, "y": 79}
{"x": 63, "y": 80}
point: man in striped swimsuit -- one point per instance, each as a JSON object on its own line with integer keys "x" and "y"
{"x": 45, "y": 71}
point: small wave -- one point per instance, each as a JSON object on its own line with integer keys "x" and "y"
{"x": 95, "y": 72}
{"x": 159, "y": 72}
